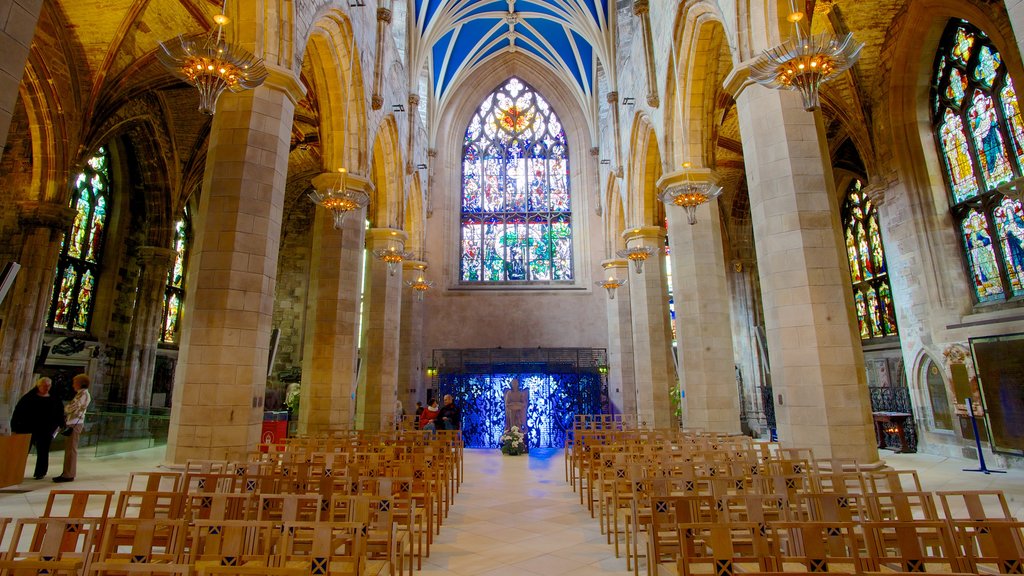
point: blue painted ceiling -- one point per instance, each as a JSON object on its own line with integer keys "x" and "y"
{"x": 461, "y": 34}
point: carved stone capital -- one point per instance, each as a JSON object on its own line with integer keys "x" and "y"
{"x": 376, "y": 101}
{"x": 414, "y": 99}
{"x": 876, "y": 193}
{"x": 384, "y": 15}
{"x": 612, "y": 97}
{"x": 45, "y": 215}
{"x": 641, "y": 7}
{"x": 432, "y": 152}
{"x": 595, "y": 151}
{"x": 652, "y": 100}
{"x": 156, "y": 257}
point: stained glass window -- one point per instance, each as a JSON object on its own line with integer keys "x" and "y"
{"x": 82, "y": 247}
{"x": 174, "y": 295}
{"x": 516, "y": 218}
{"x": 980, "y": 134}
{"x": 872, "y": 294}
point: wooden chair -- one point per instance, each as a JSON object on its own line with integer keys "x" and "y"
{"x": 142, "y": 546}
{"x": 150, "y": 505}
{"x": 911, "y": 546}
{"x": 975, "y": 505}
{"x": 386, "y": 540}
{"x": 332, "y": 548}
{"x": 220, "y": 506}
{"x": 210, "y": 482}
{"x": 410, "y": 517}
{"x": 155, "y": 481}
{"x": 711, "y": 548}
{"x": 907, "y": 506}
{"x": 817, "y": 546}
{"x": 990, "y": 546}
{"x": 290, "y": 507}
{"x": 232, "y": 543}
{"x": 50, "y": 546}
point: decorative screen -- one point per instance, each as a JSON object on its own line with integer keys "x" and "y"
{"x": 516, "y": 219}
{"x": 82, "y": 247}
{"x": 980, "y": 136}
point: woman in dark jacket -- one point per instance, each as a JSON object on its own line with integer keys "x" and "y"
{"x": 39, "y": 414}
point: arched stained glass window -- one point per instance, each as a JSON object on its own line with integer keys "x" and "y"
{"x": 174, "y": 295}
{"x": 516, "y": 219}
{"x": 82, "y": 247}
{"x": 980, "y": 134}
{"x": 871, "y": 291}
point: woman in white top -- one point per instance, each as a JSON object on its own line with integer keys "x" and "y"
{"x": 74, "y": 418}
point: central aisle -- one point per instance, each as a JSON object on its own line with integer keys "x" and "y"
{"x": 516, "y": 515}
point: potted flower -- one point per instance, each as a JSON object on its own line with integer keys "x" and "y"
{"x": 513, "y": 442}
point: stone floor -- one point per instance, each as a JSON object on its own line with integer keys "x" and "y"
{"x": 514, "y": 515}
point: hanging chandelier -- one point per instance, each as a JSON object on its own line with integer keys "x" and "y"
{"x": 211, "y": 64}
{"x": 611, "y": 284}
{"x": 637, "y": 255}
{"x": 804, "y": 63}
{"x": 340, "y": 200}
{"x": 393, "y": 257}
{"x": 690, "y": 194}
{"x": 420, "y": 285}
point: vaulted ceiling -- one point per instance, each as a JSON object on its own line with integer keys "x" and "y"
{"x": 462, "y": 35}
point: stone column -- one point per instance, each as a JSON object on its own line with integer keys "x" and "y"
{"x": 613, "y": 107}
{"x": 18, "y": 20}
{"x": 42, "y": 226}
{"x": 817, "y": 366}
{"x": 382, "y": 312}
{"x": 652, "y": 333}
{"x": 219, "y": 386}
{"x": 410, "y": 144}
{"x": 330, "y": 346}
{"x": 411, "y": 386}
{"x": 642, "y": 10}
{"x": 621, "y": 378}
{"x": 383, "y": 20}
{"x": 707, "y": 373}
{"x": 1015, "y": 11}
{"x": 147, "y": 322}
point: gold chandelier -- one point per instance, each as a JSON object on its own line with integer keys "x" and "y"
{"x": 611, "y": 284}
{"x": 804, "y": 63}
{"x": 420, "y": 285}
{"x": 393, "y": 257}
{"x": 340, "y": 200}
{"x": 690, "y": 194}
{"x": 636, "y": 255}
{"x": 211, "y": 64}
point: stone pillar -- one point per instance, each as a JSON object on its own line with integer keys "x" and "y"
{"x": 817, "y": 366}
{"x": 613, "y": 107}
{"x": 642, "y": 10}
{"x": 410, "y": 144}
{"x": 1015, "y": 11}
{"x": 382, "y": 312}
{"x": 621, "y": 378}
{"x": 219, "y": 386}
{"x": 18, "y": 20}
{"x": 331, "y": 344}
{"x": 707, "y": 373}
{"x": 652, "y": 333}
{"x": 411, "y": 375}
{"x": 383, "y": 20}
{"x": 147, "y": 322}
{"x": 42, "y": 226}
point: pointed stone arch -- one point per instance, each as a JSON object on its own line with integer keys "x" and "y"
{"x": 644, "y": 170}
{"x": 386, "y": 169}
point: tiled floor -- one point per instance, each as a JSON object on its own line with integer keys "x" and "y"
{"x": 514, "y": 515}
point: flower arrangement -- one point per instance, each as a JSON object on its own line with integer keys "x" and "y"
{"x": 291, "y": 398}
{"x": 513, "y": 442}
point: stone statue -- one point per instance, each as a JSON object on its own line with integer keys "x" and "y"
{"x": 516, "y": 403}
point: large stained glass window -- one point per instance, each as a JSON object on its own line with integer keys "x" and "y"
{"x": 516, "y": 218}
{"x": 871, "y": 291}
{"x": 78, "y": 265}
{"x": 174, "y": 295}
{"x": 980, "y": 134}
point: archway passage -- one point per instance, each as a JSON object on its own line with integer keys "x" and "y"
{"x": 562, "y": 382}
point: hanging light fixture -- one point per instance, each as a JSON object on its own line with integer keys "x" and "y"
{"x": 636, "y": 255}
{"x": 340, "y": 200}
{"x": 393, "y": 257}
{"x": 420, "y": 285}
{"x": 211, "y": 64}
{"x": 690, "y": 194}
{"x": 611, "y": 284}
{"x": 804, "y": 63}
